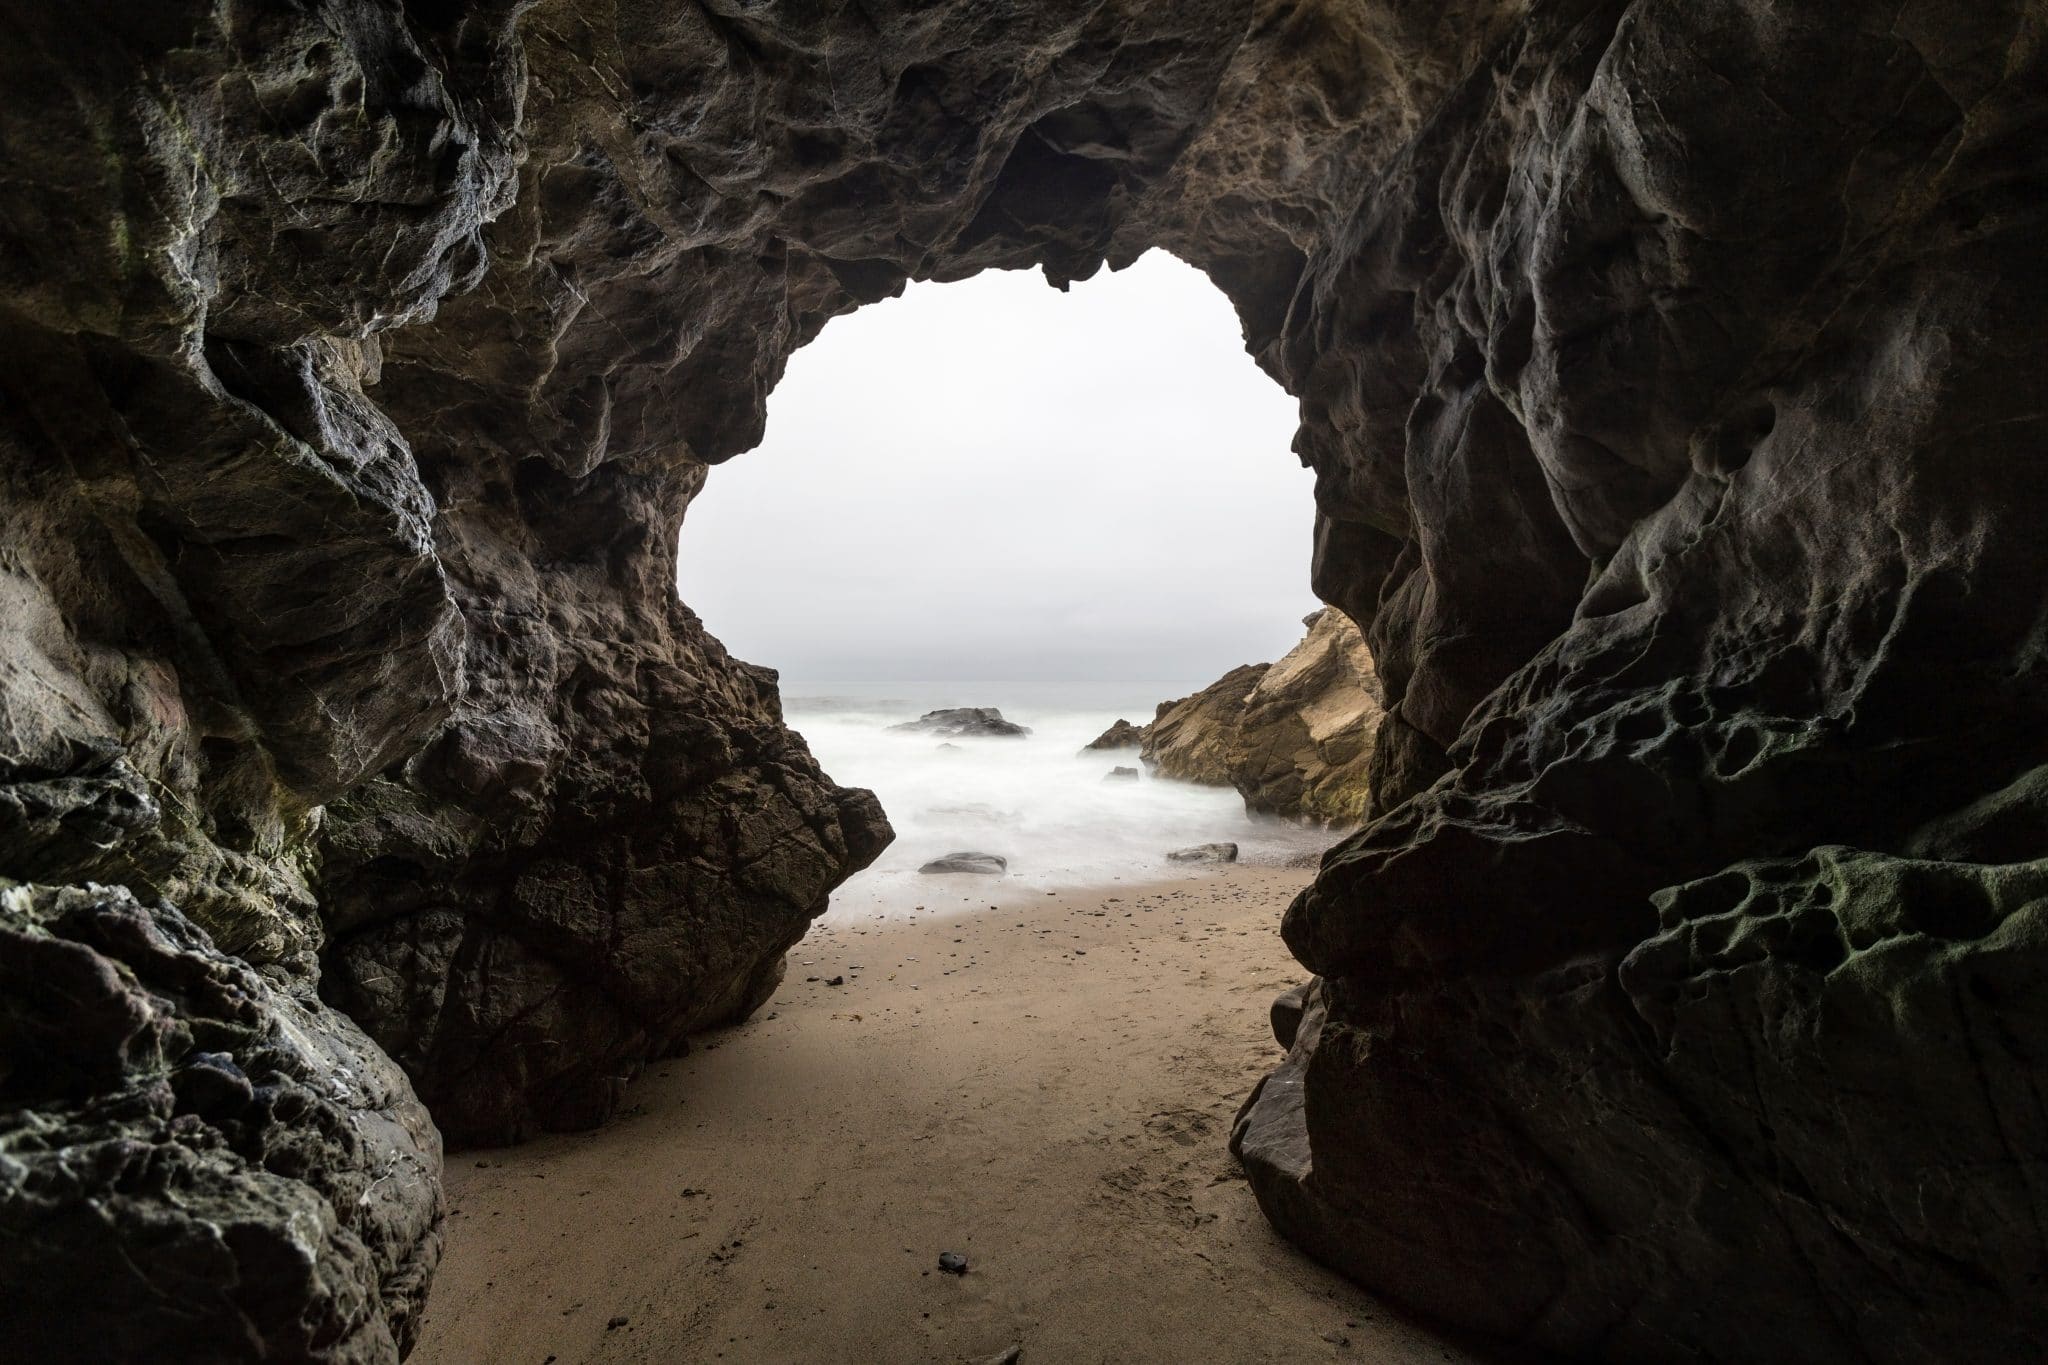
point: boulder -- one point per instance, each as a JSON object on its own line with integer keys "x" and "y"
{"x": 1121, "y": 774}
{"x": 979, "y": 864}
{"x": 1122, "y": 735}
{"x": 965, "y": 722}
{"x": 1303, "y": 745}
{"x": 1205, "y": 853}
{"x": 1287, "y": 1010}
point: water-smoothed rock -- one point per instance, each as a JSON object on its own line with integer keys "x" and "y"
{"x": 978, "y": 864}
{"x": 1287, "y": 1011}
{"x": 1122, "y": 735}
{"x": 966, "y": 722}
{"x": 1205, "y": 853}
{"x": 1122, "y": 774}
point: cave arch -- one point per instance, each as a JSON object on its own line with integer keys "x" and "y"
{"x": 989, "y": 480}
{"x": 362, "y": 360}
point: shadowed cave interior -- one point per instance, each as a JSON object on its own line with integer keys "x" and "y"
{"x": 1670, "y": 375}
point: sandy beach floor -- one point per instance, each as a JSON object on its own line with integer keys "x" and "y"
{"x": 1044, "y": 1084}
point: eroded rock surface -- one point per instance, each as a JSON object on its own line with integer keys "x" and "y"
{"x": 1680, "y": 973}
{"x": 1670, "y": 375}
{"x": 196, "y": 1164}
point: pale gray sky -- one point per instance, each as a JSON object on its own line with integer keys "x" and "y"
{"x": 994, "y": 480}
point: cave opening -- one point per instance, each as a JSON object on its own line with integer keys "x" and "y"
{"x": 1069, "y": 507}
{"x": 1670, "y": 373}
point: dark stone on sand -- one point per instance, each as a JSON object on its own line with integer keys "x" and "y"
{"x": 1287, "y": 1011}
{"x": 1205, "y": 853}
{"x": 982, "y": 864}
{"x": 953, "y": 1263}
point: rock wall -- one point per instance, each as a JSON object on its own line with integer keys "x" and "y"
{"x": 1673, "y": 381}
{"x": 1670, "y": 374}
{"x": 196, "y": 1163}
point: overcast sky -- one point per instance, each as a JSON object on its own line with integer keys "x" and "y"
{"x": 994, "y": 480}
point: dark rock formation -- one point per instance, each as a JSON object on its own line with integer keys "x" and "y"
{"x": 1205, "y": 853}
{"x": 979, "y": 864}
{"x": 1670, "y": 374}
{"x": 668, "y": 841}
{"x": 966, "y": 722}
{"x": 195, "y": 1164}
{"x": 1287, "y": 1011}
{"x": 1122, "y": 774}
{"x": 1688, "y": 972}
{"x": 1122, "y": 735}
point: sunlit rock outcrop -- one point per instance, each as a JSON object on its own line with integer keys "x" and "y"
{"x": 1304, "y": 742}
{"x": 1670, "y": 375}
{"x": 1190, "y": 739}
{"x": 1294, "y": 737}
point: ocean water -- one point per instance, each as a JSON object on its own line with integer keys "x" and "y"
{"x": 1039, "y": 801}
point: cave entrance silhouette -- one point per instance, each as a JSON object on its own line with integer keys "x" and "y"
{"x": 1069, "y": 506}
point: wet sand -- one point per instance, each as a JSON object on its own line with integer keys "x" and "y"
{"x": 1045, "y": 1087}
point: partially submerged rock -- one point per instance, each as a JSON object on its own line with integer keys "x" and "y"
{"x": 980, "y": 864}
{"x": 1122, "y": 735}
{"x": 1205, "y": 853}
{"x": 1121, "y": 774}
{"x": 966, "y": 722}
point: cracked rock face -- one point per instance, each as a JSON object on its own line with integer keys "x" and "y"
{"x": 196, "y": 1163}
{"x": 1670, "y": 374}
